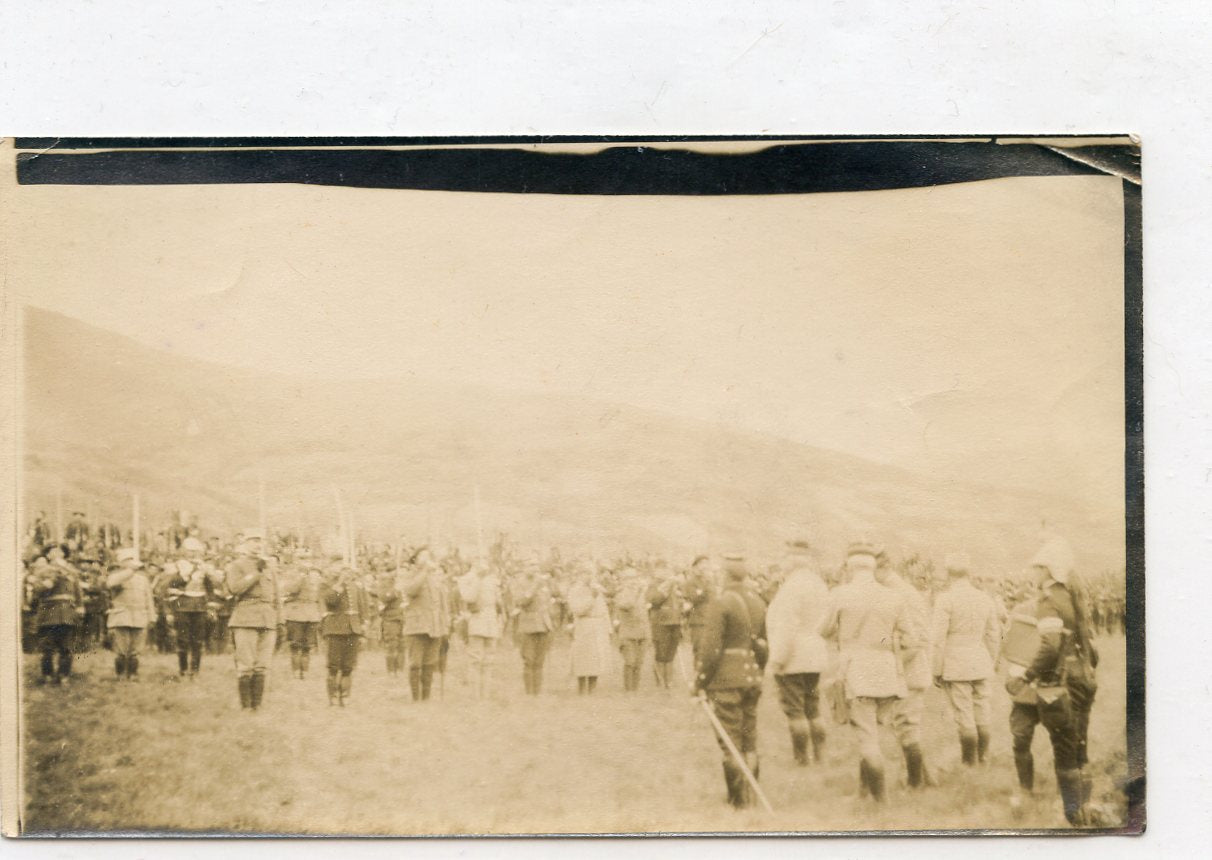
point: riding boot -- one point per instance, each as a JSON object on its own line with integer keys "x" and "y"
{"x": 582, "y": 684}
{"x": 304, "y": 663}
{"x": 132, "y": 667}
{"x": 346, "y": 687}
{"x": 875, "y": 776}
{"x": 332, "y": 683}
{"x": 295, "y": 663}
{"x": 119, "y": 666}
{"x": 195, "y": 660}
{"x": 1070, "y": 784}
{"x": 593, "y": 684}
{"x": 182, "y": 662}
{"x": 913, "y": 765}
{"x": 65, "y": 664}
{"x": 414, "y": 682}
{"x": 816, "y": 730}
{"x": 426, "y": 681}
{"x": 982, "y": 744}
{"x": 1024, "y": 763}
{"x": 864, "y": 778}
{"x": 257, "y": 688}
{"x": 968, "y": 749}
{"x": 735, "y": 783}
{"x": 799, "y": 743}
{"x": 245, "y": 685}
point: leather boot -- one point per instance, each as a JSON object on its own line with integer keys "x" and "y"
{"x": 876, "y": 777}
{"x": 1070, "y": 784}
{"x": 332, "y": 684}
{"x": 296, "y": 664}
{"x": 732, "y": 776}
{"x": 816, "y": 730}
{"x": 593, "y": 684}
{"x": 257, "y": 689}
{"x": 346, "y": 688}
{"x": 913, "y": 765}
{"x": 799, "y": 743}
{"x": 864, "y": 778}
{"x": 426, "y": 682}
{"x": 132, "y": 667}
{"x": 582, "y": 685}
{"x": 119, "y": 666}
{"x": 1024, "y": 763}
{"x": 982, "y": 744}
{"x": 182, "y": 662}
{"x": 968, "y": 749}
{"x": 245, "y": 685}
{"x": 414, "y": 682}
{"x": 304, "y": 663}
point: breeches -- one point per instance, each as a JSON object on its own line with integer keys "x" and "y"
{"x": 301, "y": 635}
{"x": 866, "y": 715}
{"x": 736, "y": 709}
{"x": 799, "y": 694}
{"x": 665, "y": 641}
{"x": 127, "y": 641}
{"x": 481, "y": 650}
{"x": 342, "y": 652}
{"x": 970, "y": 704}
{"x": 254, "y": 646}
{"x": 191, "y": 631}
{"x": 633, "y": 651}
{"x": 534, "y": 649}
{"x": 423, "y": 649}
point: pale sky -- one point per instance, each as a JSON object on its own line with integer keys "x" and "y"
{"x": 839, "y": 320}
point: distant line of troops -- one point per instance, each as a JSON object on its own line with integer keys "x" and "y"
{"x": 891, "y": 645}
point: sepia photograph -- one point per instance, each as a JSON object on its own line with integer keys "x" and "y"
{"x": 573, "y": 486}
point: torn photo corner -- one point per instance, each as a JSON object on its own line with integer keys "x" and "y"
{"x": 582, "y": 485}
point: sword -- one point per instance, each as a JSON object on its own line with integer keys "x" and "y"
{"x": 727, "y": 741}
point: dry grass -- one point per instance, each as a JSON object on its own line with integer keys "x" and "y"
{"x": 168, "y": 756}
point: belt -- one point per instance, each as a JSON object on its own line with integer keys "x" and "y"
{"x": 745, "y": 651}
{"x": 58, "y": 597}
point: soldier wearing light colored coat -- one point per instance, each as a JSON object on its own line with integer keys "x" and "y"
{"x": 966, "y": 636}
{"x": 480, "y": 591}
{"x": 913, "y": 654}
{"x": 868, "y": 620}
{"x": 253, "y": 584}
{"x": 131, "y": 609}
{"x": 798, "y": 654}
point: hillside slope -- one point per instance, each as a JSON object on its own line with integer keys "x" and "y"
{"x": 107, "y": 416}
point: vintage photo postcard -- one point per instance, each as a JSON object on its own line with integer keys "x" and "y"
{"x": 409, "y": 487}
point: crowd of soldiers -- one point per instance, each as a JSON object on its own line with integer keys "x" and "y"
{"x": 860, "y": 642}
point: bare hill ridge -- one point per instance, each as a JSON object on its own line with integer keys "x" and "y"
{"x": 107, "y": 416}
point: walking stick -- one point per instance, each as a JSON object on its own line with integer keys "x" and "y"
{"x": 727, "y": 741}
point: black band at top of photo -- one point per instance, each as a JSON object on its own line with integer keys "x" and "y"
{"x": 634, "y": 169}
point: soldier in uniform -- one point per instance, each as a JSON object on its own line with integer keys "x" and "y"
{"x": 426, "y": 622}
{"x": 391, "y": 626}
{"x": 254, "y": 618}
{"x": 131, "y": 609}
{"x": 301, "y": 608}
{"x": 1062, "y": 674}
{"x": 534, "y": 625}
{"x": 56, "y": 593}
{"x": 346, "y": 608}
{"x": 480, "y": 592}
{"x": 966, "y": 635}
{"x": 665, "y": 599}
{"x": 869, "y": 620}
{"x": 190, "y": 591}
{"x": 700, "y": 587}
{"x": 913, "y": 657}
{"x": 631, "y": 614}
{"x": 733, "y": 653}
{"x": 797, "y": 651}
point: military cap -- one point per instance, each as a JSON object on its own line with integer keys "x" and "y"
{"x": 1057, "y": 557}
{"x": 254, "y": 534}
{"x": 958, "y": 562}
{"x": 734, "y": 564}
{"x": 127, "y": 554}
{"x": 192, "y": 544}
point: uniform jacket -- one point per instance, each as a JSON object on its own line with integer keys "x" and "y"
{"x": 732, "y": 648}
{"x": 301, "y": 594}
{"x": 534, "y": 601}
{"x": 965, "y": 633}
{"x": 631, "y": 610}
{"x": 590, "y": 631}
{"x": 131, "y": 603}
{"x": 254, "y": 589}
{"x": 192, "y": 592}
{"x": 697, "y": 594}
{"x": 793, "y": 624}
{"x": 56, "y": 592}
{"x": 346, "y": 610}
{"x": 428, "y": 609}
{"x": 868, "y": 620}
{"x": 482, "y": 599}
{"x": 914, "y": 651}
{"x": 665, "y": 598}
{"x": 1066, "y": 655}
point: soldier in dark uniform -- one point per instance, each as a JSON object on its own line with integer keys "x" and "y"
{"x": 56, "y": 592}
{"x": 1062, "y": 674}
{"x": 391, "y": 629}
{"x": 190, "y": 591}
{"x": 345, "y": 611}
{"x": 699, "y": 589}
{"x": 732, "y": 657}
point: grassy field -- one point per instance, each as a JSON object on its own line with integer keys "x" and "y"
{"x": 167, "y": 756}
